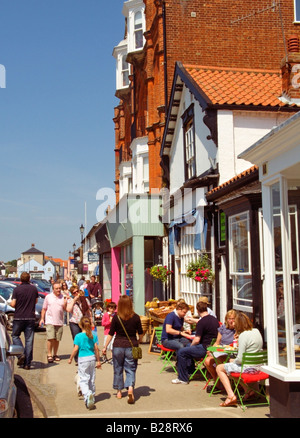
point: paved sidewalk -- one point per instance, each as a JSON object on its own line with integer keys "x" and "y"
{"x": 52, "y": 386}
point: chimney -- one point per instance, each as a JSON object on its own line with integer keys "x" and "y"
{"x": 290, "y": 72}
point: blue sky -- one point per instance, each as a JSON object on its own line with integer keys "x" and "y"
{"x": 56, "y": 130}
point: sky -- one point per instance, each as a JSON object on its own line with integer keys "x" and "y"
{"x": 56, "y": 119}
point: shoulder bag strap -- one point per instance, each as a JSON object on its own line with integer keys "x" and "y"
{"x": 125, "y": 330}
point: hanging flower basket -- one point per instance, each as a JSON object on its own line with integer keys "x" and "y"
{"x": 160, "y": 272}
{"x": 200, "y": 270}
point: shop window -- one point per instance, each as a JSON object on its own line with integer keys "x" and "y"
{"x": 190, "y": 289}
{"x": 292, "y": 271}
{"x": 240, "y": 265}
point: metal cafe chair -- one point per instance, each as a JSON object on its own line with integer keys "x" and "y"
{"x": 259, "y": 396}
{"x": 166, "y": 354}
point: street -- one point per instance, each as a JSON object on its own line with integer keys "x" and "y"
{"x": 53, "y": 393}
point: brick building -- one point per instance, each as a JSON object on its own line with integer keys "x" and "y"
{"x": 157, "y": 34}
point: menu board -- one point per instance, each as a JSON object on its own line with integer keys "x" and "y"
{"x": 153, "y": 348}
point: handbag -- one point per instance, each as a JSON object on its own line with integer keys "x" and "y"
{"x": 136, "y": 351}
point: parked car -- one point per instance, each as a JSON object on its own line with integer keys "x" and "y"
{"x": 6, "y": 290}
{"x": 43, "y": 284}
{"x": 42, "y": 292}
{"x": 8, "y": 390}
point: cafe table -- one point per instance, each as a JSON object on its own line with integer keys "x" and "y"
{"x": 223, "y": 349}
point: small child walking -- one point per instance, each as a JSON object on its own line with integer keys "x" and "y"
{"x": 106, "y": 322}
{"x": 85, "y": 344}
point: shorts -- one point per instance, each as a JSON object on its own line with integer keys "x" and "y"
{"x": 232, "y": 367}
{"x": 54, "y": 331}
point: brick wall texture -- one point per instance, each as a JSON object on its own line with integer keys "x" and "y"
{"x": 224, "y": 33}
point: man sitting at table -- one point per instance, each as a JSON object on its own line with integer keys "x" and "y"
{"x": 206, "y": 331}
{"x": 173, "y": 335}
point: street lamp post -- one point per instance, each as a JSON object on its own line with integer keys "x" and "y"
{"x": 81, "y": 228}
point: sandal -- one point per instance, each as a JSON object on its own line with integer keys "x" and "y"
{"x": 119, "y": 394}
{"x": 50, "y": 359}
{"x": 232, "y": 402}
{"x": 130, "y": 399}
{"x": 56, "y": 358}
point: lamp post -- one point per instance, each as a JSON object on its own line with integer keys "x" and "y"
{"x": 81, "y": 228}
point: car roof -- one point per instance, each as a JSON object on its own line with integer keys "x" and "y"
{"x": 7, "y": 284}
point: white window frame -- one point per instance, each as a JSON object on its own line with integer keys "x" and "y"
{"x": 190, "y": 158}
{"x": 190, "y": 290}
{"x": 296, "y": 8}
{"x": 124, "y": 71}
{"x": 138, "y": 28}
{"x": 243, "y": 304}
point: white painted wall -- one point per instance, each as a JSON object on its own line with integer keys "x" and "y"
{"x": 204, "y": 148}
{"x": 237, "y": 131}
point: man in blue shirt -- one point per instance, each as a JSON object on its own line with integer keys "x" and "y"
{"x": 173, "y": 335}
{"x": 206, "y": 331}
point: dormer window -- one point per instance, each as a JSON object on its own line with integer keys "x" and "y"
{"x": 134, "y": 12}
{"x": 122, "y": 70}
{"x": 138, "y": 30}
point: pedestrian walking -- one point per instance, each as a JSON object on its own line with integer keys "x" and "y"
{"x": 66, "y": 293}
{"x": 94, "y": 288}
{"x": 122, "y": 347}
{"x": 52, "y": 316}
{"x": 85, "y": 345}
{"x": 24, "y": 299}
{"x": 106, "y": 322}
{"x": 78, "y": 306}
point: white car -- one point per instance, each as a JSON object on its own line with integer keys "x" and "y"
{"x": 8, "y": 390}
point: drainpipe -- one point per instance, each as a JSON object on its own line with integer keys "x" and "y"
{"x": 165, "y": 57}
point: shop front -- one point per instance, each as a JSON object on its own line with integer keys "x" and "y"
{"x": 135, "y": 232}
{"x": 278, "y": 158}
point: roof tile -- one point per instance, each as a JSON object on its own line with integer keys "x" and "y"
{"x": 238, "y": 86}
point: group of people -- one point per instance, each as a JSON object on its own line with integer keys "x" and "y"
{"x": 121, "y": 327}
{"x": 209, "y": 331}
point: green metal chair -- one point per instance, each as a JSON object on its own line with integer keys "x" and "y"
{"x": 248, "y": 378}
{"x": 199, "y": 366}
{"x": 166, "y": 354}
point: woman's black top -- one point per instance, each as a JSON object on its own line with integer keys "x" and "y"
{"x": 132, "y": 326}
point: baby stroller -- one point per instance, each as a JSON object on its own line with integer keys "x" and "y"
{"x": 97, "y": 310}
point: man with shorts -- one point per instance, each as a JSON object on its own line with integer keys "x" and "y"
{"x": 52, "y": 316}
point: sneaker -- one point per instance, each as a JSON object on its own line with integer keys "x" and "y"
{"x": 176, "y": 381}
{"x": 90, "y": 402}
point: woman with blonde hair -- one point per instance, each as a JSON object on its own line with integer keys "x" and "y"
{"x": 123, "y": 360}
{"x": 249, "y": 341}
{"x": 226, "y": 335}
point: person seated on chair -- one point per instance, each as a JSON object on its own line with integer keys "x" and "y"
{"x": 173, "y": 336}
{"x": 226, "y": 333}
{"x": 249, "y": 341}
{"x": 206, "y": 331}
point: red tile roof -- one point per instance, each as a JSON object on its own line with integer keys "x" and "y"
{"x": 238, "y": 86}
{"x": 251, "y": 171}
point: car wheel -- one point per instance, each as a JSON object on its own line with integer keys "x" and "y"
{"x": 10, "y": 320}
